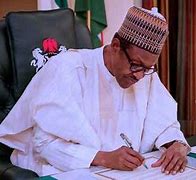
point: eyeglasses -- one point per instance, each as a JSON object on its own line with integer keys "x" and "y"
{"x": 137, "y": 68}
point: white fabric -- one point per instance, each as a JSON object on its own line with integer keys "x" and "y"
{"x": 73, "y": 108}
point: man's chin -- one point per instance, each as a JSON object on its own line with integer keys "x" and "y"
{"x": 126, "y": 85}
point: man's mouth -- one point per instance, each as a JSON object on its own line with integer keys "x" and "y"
{"x": 133, "y": 79}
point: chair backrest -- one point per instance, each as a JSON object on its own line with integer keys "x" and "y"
{"x": 20, "y": 33}
{"x": 6, "y": 98}
{"x": 27, "y": 30}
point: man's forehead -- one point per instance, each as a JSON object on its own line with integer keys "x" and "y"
{"x": 141, "y": 56}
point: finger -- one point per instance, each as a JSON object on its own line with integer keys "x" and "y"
{"x": 135, "y": 154}
{"x": 182, "y": 169}
{"x": 159, "y": 162}
{"x": 134, "y": 160}
{"x": 165, "y": 163}
{"x": 130, "y": 166}
{"x": 172, "y": 164}
{"x": 177, "y": 167}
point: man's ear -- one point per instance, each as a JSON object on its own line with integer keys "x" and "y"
{"x": 115, "y": 44}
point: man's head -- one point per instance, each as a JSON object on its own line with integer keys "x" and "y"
{"x": 135, "y": 48}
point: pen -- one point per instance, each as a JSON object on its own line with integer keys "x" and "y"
{"x": 129, "y": 144}
{"x": 126, "y": 140}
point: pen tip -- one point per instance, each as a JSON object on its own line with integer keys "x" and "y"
{"x": 145, "y": 166}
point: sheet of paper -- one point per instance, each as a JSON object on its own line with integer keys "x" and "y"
{"x": 143, "y": 173}
{"x": 191, "y": 162}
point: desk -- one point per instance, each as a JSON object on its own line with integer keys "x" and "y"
{"x": 88, "y": 174}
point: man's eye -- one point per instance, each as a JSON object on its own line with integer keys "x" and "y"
{"x": 137, "y": 67}
{"x": 146, "y": 70}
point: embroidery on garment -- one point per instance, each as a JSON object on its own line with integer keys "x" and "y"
{"x": 50, "y": 47}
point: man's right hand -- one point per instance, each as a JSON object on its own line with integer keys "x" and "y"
{"x": 123, "y": 158}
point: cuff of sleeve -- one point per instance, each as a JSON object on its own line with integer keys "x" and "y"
{"x": 159, "y": 144}
{"x": 169, "y": 137}
{"x": 83, "y": 157}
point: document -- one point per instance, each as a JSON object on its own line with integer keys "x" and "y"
{"x": 192, "y": 160}
{"x": 142, "y": 173}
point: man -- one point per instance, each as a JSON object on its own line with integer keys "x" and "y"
{"x": 73, "y": 111}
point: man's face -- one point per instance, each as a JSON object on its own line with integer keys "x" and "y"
{"x": 132, "y": 64}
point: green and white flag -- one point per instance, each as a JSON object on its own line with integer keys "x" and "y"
{"x": 61, "y": 3}
{"x": 92, "y": 12}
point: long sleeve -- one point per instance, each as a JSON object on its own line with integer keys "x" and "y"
{"x": 59, "y": 106}
{"x": 62, "y": 100}
{"x": 161, "y": 125}
{"x": 170, "y": 134}
{"x": 65, "y": 137}
{"x": 61, "y": 154}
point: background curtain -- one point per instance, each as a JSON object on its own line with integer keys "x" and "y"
{"x": 177, "y": 63}
{"x": 186, "y": 65}
{"x": 163, "y": 63}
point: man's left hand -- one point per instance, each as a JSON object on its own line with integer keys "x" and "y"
{"x": 173, "y": 160}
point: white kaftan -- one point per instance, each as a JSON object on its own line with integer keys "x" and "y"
{"x": 73, "y": 108}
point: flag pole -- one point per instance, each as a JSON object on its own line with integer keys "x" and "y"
{"x": 89, "y": 19}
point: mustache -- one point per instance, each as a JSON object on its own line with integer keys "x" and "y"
{"x": 133, "y": 78}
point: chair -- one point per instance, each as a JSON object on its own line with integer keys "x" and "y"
{"x": 20, "y": 33}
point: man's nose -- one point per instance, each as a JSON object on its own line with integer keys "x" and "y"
{"x": 139, "y": 75}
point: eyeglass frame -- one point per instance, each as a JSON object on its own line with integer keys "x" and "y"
{"x": 138, "y": 67}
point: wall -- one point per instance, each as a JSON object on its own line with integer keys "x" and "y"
{"x": 16, "y": 5}
{"x": 115, "y": 13}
